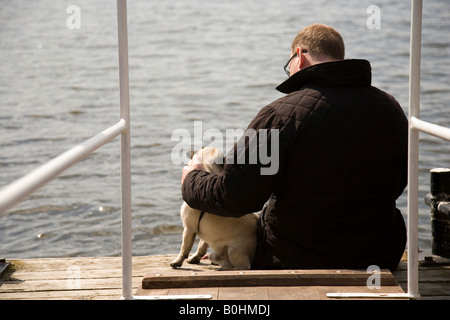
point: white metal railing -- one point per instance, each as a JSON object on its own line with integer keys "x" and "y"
{"x": 413, "y": 150}
{"x": 430, "y": 128}
{"x": 21, "y": 188}
{"x": 125, "y": 155}
{"x": 18, "y": 190}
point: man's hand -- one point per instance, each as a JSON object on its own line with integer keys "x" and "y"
{"x": 194, "y": 163}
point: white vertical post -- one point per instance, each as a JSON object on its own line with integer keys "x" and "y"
{"x": 125, "y": 151}
{"x": 413, "y": 153}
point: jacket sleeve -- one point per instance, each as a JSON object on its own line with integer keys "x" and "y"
{"x": 250, "y": 172}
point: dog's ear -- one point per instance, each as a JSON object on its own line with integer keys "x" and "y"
{"x": 190, "y": 154}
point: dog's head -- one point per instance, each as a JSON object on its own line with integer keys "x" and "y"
{"x": 212, "y": 159}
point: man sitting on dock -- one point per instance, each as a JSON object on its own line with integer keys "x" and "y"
{"x": 342, "y": 163}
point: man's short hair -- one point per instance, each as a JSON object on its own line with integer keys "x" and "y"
{"x": 321, "y": 41}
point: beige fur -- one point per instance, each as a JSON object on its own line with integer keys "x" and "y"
{"x": 233, "y": 240}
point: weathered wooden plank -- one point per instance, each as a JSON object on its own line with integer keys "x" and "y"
{"x": 59, "y": 285}
{"x": 250, "y": 278}
{"x": 430, "y": 289}
{"x": 56, "y": 278}
{"x": 294, "y": 293}
{"x": 358, "y": 289}
{"x": 434, "y": 297}
{"x": 61, "y": 264}
{"x": 434, "y": 282}
{"x": 66, "y": 274}
{"x": 427, "y": 275}
{"x": 195, "y": 291}
{"x": 100, "y": 278}
{"x": 151, "y": 292}
{"x": 63, "y": 268}
{"x": 63, "y": 284}
{"x": 107, "y": 294}
{"x": 87, "y": 263}
{"x": 271, "y": 292}
{"x": 243, "y": 293}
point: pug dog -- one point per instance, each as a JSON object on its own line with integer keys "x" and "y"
{"x": 233, "y": 240}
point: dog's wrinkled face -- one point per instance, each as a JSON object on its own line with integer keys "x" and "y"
{"x": 212, "y": 159}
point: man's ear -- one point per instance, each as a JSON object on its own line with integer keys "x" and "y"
{"x": 302, "y": 61}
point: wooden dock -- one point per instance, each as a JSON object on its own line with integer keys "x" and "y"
{"x": 100, "y": 279}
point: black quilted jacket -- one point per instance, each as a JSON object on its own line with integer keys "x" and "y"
{"x": 342, "y": 159}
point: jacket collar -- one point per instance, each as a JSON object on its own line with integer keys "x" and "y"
{"x": 344, "y": 73}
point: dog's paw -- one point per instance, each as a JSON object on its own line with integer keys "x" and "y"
{"x": 176, "y": 264}
{"x": 194, "y": 260}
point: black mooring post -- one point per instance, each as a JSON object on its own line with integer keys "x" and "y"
{"x": 439, "y": 201}
{"x": 4, "y": 265}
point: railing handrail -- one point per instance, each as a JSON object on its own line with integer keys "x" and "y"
{"x": 430, "y": 128}
{"x": 18, "y": 190}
